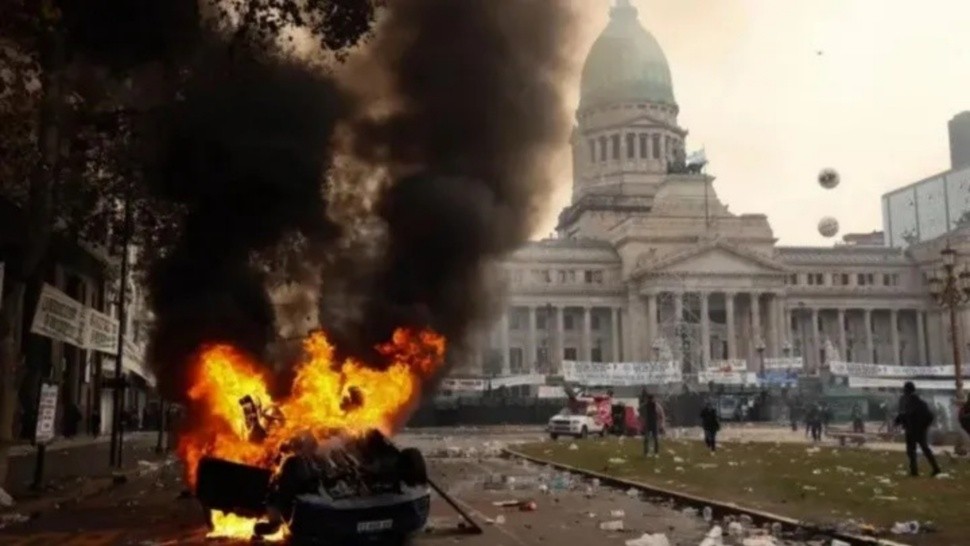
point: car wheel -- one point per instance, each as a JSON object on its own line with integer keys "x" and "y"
{"x": 584, "y": 433}
{"x": 412, "y": 467}
{"x": 554, "y": 436}
{"x": 602, "y": 433}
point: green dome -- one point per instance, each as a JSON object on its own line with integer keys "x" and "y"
{"x": 626, "y": 64}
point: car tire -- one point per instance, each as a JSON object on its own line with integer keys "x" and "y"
{"x": 554, "y": 436}
{"x": 603, "y": 433}
{"x": 412, "y": 467}
{"x": 584, "y": 432}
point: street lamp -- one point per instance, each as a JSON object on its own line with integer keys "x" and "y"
{"x": 786, "y": 348}
{"x": 950, "y": 290}
{"x": 656, "y": 350}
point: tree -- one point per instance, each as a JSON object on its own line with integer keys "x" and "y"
{"x": 72, "y": 101}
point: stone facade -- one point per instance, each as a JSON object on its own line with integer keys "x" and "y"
{"x": 648, "y": 261}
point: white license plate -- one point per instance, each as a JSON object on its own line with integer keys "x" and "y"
{"x": 374, "y": 526}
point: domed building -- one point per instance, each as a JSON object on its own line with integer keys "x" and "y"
{"x": 648, "y": 264}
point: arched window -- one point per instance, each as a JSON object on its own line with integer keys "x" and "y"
{"x": 643, "y": 146}
{"x": 616, "y": 146}
{"x": 631, "y": 149}
{"x": 602, "y": 148}
{"x": 656, "y": 146}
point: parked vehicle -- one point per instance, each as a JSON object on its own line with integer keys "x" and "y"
{"x": 583, "y": 416}
{"x": 626, "y": 421}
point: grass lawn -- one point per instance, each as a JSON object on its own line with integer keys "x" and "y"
{"x": 819, "y": 485}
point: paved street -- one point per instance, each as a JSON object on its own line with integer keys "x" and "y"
{"x": 147, "y": 511}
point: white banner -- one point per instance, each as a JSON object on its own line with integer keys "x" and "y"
{"x": 727, "y": 378}
{"x": 59, "y": 317}
{"x": 518, "y": 380}
{"x": 463, "y": 384}
{"x": 621, "y": 374}
{"x": 100, "y": 332}
{"x": 46, "y": 412}
{"x": 786, "y": 363}
{"x": 858, "y": 369}
{"x": 732, "y": 365}
{"x": 887, "y": 383}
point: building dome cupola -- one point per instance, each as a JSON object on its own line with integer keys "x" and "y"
{"x": 625, "y": 64}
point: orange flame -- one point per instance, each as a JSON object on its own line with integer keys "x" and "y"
{"x": 318, "y": 401}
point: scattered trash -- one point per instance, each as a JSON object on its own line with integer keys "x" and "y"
{"x": 632, "y": 493}
{"x": 837, "y": 542}
{"x": 713, "y": 537}
{"x": 12, "y": 518}
{"x": 528, "y": 506}
{"x": 507, "y": 503}
{"x": 617, "y": 514}
{"x": 905, "y": 528}
{"x": 735, "y": 529}
{"x": 612, "y": 525}
{"x": 6, "y": 500}
{"x": 943, "y": 476}
{"x": 689, "y": 512}
{"x": 573, "y": 447}
{"x": 617, "y": 460}
{"x": 708, "y": 514}
{"x": 647, "y": 539}
{"x": 760, "y": 540}
{"x": 500, "y": 519}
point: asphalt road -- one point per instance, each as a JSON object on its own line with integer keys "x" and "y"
{"x": 147, "y": 511}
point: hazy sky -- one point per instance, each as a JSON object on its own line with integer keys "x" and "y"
{"x": 772, "y": 112}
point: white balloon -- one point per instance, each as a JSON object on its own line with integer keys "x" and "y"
{"x": 828, "y": 227}
{"x": 829, "y": 178}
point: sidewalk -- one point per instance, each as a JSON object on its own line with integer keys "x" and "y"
{"x": 72, "y": 464}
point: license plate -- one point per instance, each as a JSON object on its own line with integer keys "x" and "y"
{"x": 374, "y": 526}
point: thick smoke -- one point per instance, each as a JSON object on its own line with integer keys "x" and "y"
{"x": 245, "y": 153}
{"x": 475, "y": 89}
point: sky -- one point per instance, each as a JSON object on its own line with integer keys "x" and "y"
{"x": 776, "y": 90}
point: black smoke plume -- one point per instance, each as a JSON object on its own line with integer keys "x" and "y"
{"x": 476, "y": 91}
{"x": 245, "y": 153}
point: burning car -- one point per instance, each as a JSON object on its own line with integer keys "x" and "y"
{"x": 344, "y": 490}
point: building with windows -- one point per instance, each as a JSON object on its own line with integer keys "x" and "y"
{"x": 648, "y": 261}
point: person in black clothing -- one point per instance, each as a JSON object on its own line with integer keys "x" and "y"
{"x": 813, "y": 420}
{"x": 711, "y": 424}
{"x": 858, "y": 425}
{"x": 915, "y": 417}
{"x": 651, "y": 423}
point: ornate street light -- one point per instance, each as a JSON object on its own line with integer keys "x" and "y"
{"x": 950, "y": 290}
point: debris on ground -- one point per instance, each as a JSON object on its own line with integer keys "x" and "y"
{"x": 617, "y": 514}
{"x": 12, "y": 518}
{"x": 905, "y": 528}
{"x": 573, "y": 447}
{"x": 647, "y": 539}
{"x": 713, "y": 537}
{"x": 616, "y": 525}
{"x": 6, "y": 501}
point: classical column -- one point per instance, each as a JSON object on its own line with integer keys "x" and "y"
{"x": 921, "y": 338}
{"x": 729, "y": 316}
{"x": 615, "y": 331}
{"x": 504, "y": 343}
{"x": 678, "y": 307}
{"x": 530, "y": 356}
{"x": 756, "y": 318}
{"x": 705, "y": 330}
{"x": 557, "y": 345}
{"x": 587, "y": 335}
{"x": 816, "y": 341}
{"x": 869, "y": 347}
{"x": 894, "y": 334}
{"x": 654, "y": 333}
{"x": 771, "y": 325}
{"x": 842, "y": 345}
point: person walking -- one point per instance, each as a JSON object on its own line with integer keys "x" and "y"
{"x": 915, "y": 417}
{"x": 711, "y": 425}
{"x": 652, "y": 415}
{"x": 858, "y": 425}
{"x": 813, "y": 422}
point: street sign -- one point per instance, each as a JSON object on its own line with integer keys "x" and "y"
{"x": 46, "y": 412}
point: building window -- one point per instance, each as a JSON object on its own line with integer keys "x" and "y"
{"x": 592, "y": 150}
{"x": 540, "y": 321}
{"x": 656, "y": 146}
{"x": 643, "y": 146}
{"x": 890, "y": 279}
{"x": 596, "y": 354}
{"x": 793, "y": 279}
{"x": 594, "y": 321}
{"x": 569, "y": 353}
{"x": 515, "y": 320}
{"x": 567, "y": 322}
{"x": 616, "y": 146}
{"x": 845, "y": 279}
{"x": 602, "y": 148}
{"x": 819, "y": 279}
{"x": 861, "y": 279}
{"x": 515, "y": 358}
{"x": 631, "y": 149}
{"x": 541, "y": 276}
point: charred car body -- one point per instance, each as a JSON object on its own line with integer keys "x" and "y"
{"x": 347, "y": 490}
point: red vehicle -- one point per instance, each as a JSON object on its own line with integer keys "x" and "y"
{"x": 626, "y": 421}
{"x": 582, "y": 416}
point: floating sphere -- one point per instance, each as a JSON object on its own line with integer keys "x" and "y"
{"x": 828, "y": 178}
{"x": 828, "y": 227}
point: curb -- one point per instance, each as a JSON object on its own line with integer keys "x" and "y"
{"x": 718, "y": 507}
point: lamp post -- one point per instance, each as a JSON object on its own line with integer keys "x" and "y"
{"x": 760, "y": 347}
{"x": 656, "y": 350}
{"x": 950, "y": 290}
{"x": 786, "y": 349}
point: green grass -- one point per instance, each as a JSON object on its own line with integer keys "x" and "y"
{"x": 822, "y": 486}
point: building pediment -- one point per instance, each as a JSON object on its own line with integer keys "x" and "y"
{"x": 717, "y": 257}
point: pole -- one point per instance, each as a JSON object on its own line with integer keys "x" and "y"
{"x": 160, "y": 443}
{"x": 117, "y": 426}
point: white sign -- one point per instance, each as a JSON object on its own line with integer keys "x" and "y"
{"x": 465, "y": 385}
{"x": 732, "y": 365}
{"x": 787, "y": 363}
{"x": 59, "y": 317}
{"x": 518, "y": 380}
{"x": 621, "y": 374}
{"x": 100, "y": 332}
{"x": 134, "y": 355}
{"x": 727, "y": 378}
{"x": 858, "y": 369}
{"x": 46, "y": 412}
{"x": 887, "y": 383}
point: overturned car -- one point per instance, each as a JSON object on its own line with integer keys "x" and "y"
{"x": 360, "y": 490}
